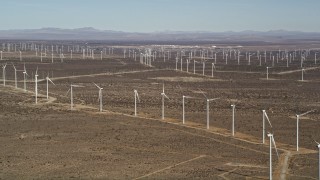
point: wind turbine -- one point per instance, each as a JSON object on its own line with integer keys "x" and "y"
{"x": 4, "y": 74}
{"x": 24, "y": 78}
{"x": 163, "y": 96}
{"x": 268, "y": 73}
{"x": 136, "y": 96}
{"x": 264, "y": 116}
{"x": 233, "y": 109}
{"x": 298, "y": 117}
{"x": 203, "y": 67}
{"x": 188, "y": 61}
{"x": 176, "y": 63}
{"x": 226, "y": 58}
{"x": 183, "y": 107}
{"x": 48, "y": 79}
{"x": 71, "y": 94}
{"x": 318, "y": 145}
{"x": 302, "y": 70}
{"x": 100, "y": 96}
{"x": 208, "y": 108}
{"x": 36, "y": 85}
{"x": 215, "y": 58}
{"x": 275, "y": 147}
{"x": 15, "y": 76}
{"x": 213, "y": 67}
{"x": 249, "y": 62}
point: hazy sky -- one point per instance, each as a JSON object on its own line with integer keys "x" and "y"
{"x": 160, "y": 15}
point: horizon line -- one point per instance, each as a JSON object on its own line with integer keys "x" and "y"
{"x": 160, "y": 31}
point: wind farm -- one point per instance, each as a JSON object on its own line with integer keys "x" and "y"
{"x": 101, "y": 104}
{"x": 69, "y": 94}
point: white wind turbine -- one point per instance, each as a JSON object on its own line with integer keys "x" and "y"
{"x": 213, "y": 67}
{"x": 298, "y": 117}
{"x": 100, "y": 96}
{"x": 48, "y": 79}
{"x": 268, "y": 73}
{"x": 302, "y": 70}
{"x": 176, "y": 63}
{"x": 233, "y": 109}
{"x": 215, "y": 58}
{"x": 163, "y": 95}
{"x": 260, "y": 60}
{"x": 51, "y": 56}
{"x": 226, "y": 58}
{"x": 15, "y": 76}
{"x": 183, "y": 107}
{"x": 264, "y": 116}
{"x": 25, "y": 74}
{"x": 203, "y": 67}
{"x": 188, "y": 61}
{"x": 136, "y": 96}
{"x": 208, "y": 108}
{"x": 71, "y": 94}
{"x": 4, "y": 74}
{"x": 275, "y": 147}
{"x": 36, "y": 85}
{"x": 194, "y": 66}
{"x": 318, "y": 145}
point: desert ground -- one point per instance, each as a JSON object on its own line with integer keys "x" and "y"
{"x": 48, "y": 140}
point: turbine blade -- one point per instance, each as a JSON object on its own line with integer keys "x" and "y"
{"x": 275, "y": 147}
{"x": 50, "y": 81}
{"x": 163, "y": 87}
{"x": 214, "y": 66}
{"x": 213, "y": 99}
{"x": 307, "y": 112}
{"x": 165, "y": 96}
{"x": 203, "y": 93}
{"x": 265, "y": 114}
{"x": 68, "y": 91}
{"x": 97, "y": 85}
{"x": 138, "y": 96}
{"x": 77, "y": 86}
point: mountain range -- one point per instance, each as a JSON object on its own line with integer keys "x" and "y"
{"x": 89, "y": 33}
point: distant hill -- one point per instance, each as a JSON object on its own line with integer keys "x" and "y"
{"x": 89, "y": 33}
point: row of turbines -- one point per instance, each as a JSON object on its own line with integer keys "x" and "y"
{"x": 167, "y": 53}
{"x": 163, "y": 97}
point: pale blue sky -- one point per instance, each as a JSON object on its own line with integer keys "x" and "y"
{"x": 160, "y": 15}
